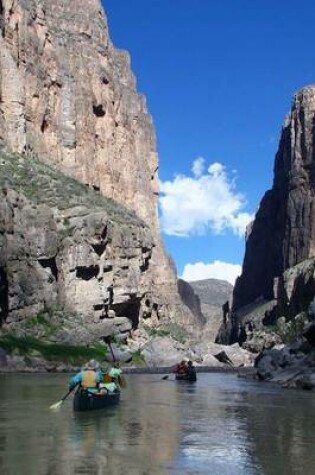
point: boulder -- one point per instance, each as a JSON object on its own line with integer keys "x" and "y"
{"x": 118, "y": 354}
{"x": 236, "y": 355}
{"x": 163, "y": 351}
{"x": 283, "y": 365}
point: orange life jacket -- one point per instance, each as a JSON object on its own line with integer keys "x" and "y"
{"x": 107, "y": 378}
{"x": 89, "y": 379}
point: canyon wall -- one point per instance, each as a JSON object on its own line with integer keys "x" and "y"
{"x": 283, "y": 232}
{"x": 68, "y": 97}
{"x": 278, "y": 269}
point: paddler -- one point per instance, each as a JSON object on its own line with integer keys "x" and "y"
{"x": 112, "y": 379}
{"x": 89, "y": 377}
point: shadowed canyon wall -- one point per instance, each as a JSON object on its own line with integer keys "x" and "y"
{"x": 278, "y": 268}
{"x": 283, "y": 232}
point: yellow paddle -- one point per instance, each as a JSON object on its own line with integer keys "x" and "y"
{"x": 58, "y": 404}
{"x": 122, "y": 381}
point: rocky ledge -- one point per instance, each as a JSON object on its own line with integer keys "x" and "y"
{"x": 63, "y": 245}
{"x": 292, "y": 365}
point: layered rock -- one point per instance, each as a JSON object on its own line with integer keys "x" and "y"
{"x": 65, "y": 246}
{"x": 69, "y": 97}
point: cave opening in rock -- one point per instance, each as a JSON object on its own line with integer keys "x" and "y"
{"x": 50, "y": 264}
{"x": 99, "y": 110}
{"x": 44, "y": 125}
{"x": 4, "y": 299}
{"x": 87, "y": 273}
{"x": 145, "y": 265}
{"x": 99, "y": 306}
{"x": 1, "y": 18}
{"x": 131, "y": 310}
{"x": 99, "y": 248}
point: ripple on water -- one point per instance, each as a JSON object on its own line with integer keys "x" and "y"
{"x": 220, "y": 426}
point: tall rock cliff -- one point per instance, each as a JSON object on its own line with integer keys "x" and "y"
{"x": 278, "y": 270}
{"x": 283, "y": 232}
{"x": 69, "y": 97}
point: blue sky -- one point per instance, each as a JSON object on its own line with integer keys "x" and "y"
{"x": 219, "y": 76}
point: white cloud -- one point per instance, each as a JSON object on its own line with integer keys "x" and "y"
{"x": 206, "y": 201}
{"x": 216, "y": 169}
{"x": 198, "y": 167}
{"x": 213, "y": 270}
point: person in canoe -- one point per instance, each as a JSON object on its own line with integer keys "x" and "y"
{"x": 191, "y": 370}
{"x": 181, "y": 368}
{"x": 89, "y": 377}
{"x": 112, "y": 379}
{"x": 185, "y": 371}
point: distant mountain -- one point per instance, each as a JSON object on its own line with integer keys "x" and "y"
{"x": 212, "y": 293}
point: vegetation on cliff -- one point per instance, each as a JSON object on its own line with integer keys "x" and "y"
{"x": 28, "y": 347}
{"x": 173, "y": 330}
{"x": 43, "y": 184}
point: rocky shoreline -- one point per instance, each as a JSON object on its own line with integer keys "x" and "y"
{"x": 242, "y": 372}
{"x": 290, "y": 366}
{"x": 141, "y": 355}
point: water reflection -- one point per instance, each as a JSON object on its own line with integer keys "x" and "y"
{"x": 289, "y": 442}
{"x": 213, "y": 435}
{"x": 220, "y": 425}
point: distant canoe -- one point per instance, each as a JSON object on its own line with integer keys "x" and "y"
{"x": 186, "y": 377}
{"x": 86, "y": 401}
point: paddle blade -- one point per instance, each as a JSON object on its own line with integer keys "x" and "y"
{"x": 56, "y": 406}
{"x": 165, "y": 377}
{"x": 122, "y": 381}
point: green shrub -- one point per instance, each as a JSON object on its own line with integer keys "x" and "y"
{"x": 289, "y": 331}
{"x": 138, "y": 358}
{"x": 42, "y": 184}
{"x": 26, "y": 346}
{"x": 173, "y": 330}
{"x": 42, "y": 321}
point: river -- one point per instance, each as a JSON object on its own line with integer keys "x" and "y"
{"x": 221, "y": 425}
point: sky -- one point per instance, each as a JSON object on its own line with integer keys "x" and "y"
{"x": 219, "y": 77}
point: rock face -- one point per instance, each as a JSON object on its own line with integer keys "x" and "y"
{"x": 63, "y": 245}
{"x": 69, "y": 97}
{"x": 278, "y": 269}
{"x": 292, "y": 366}
{"x": 283, "y": 232}
{"x": 191, "y": 299}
